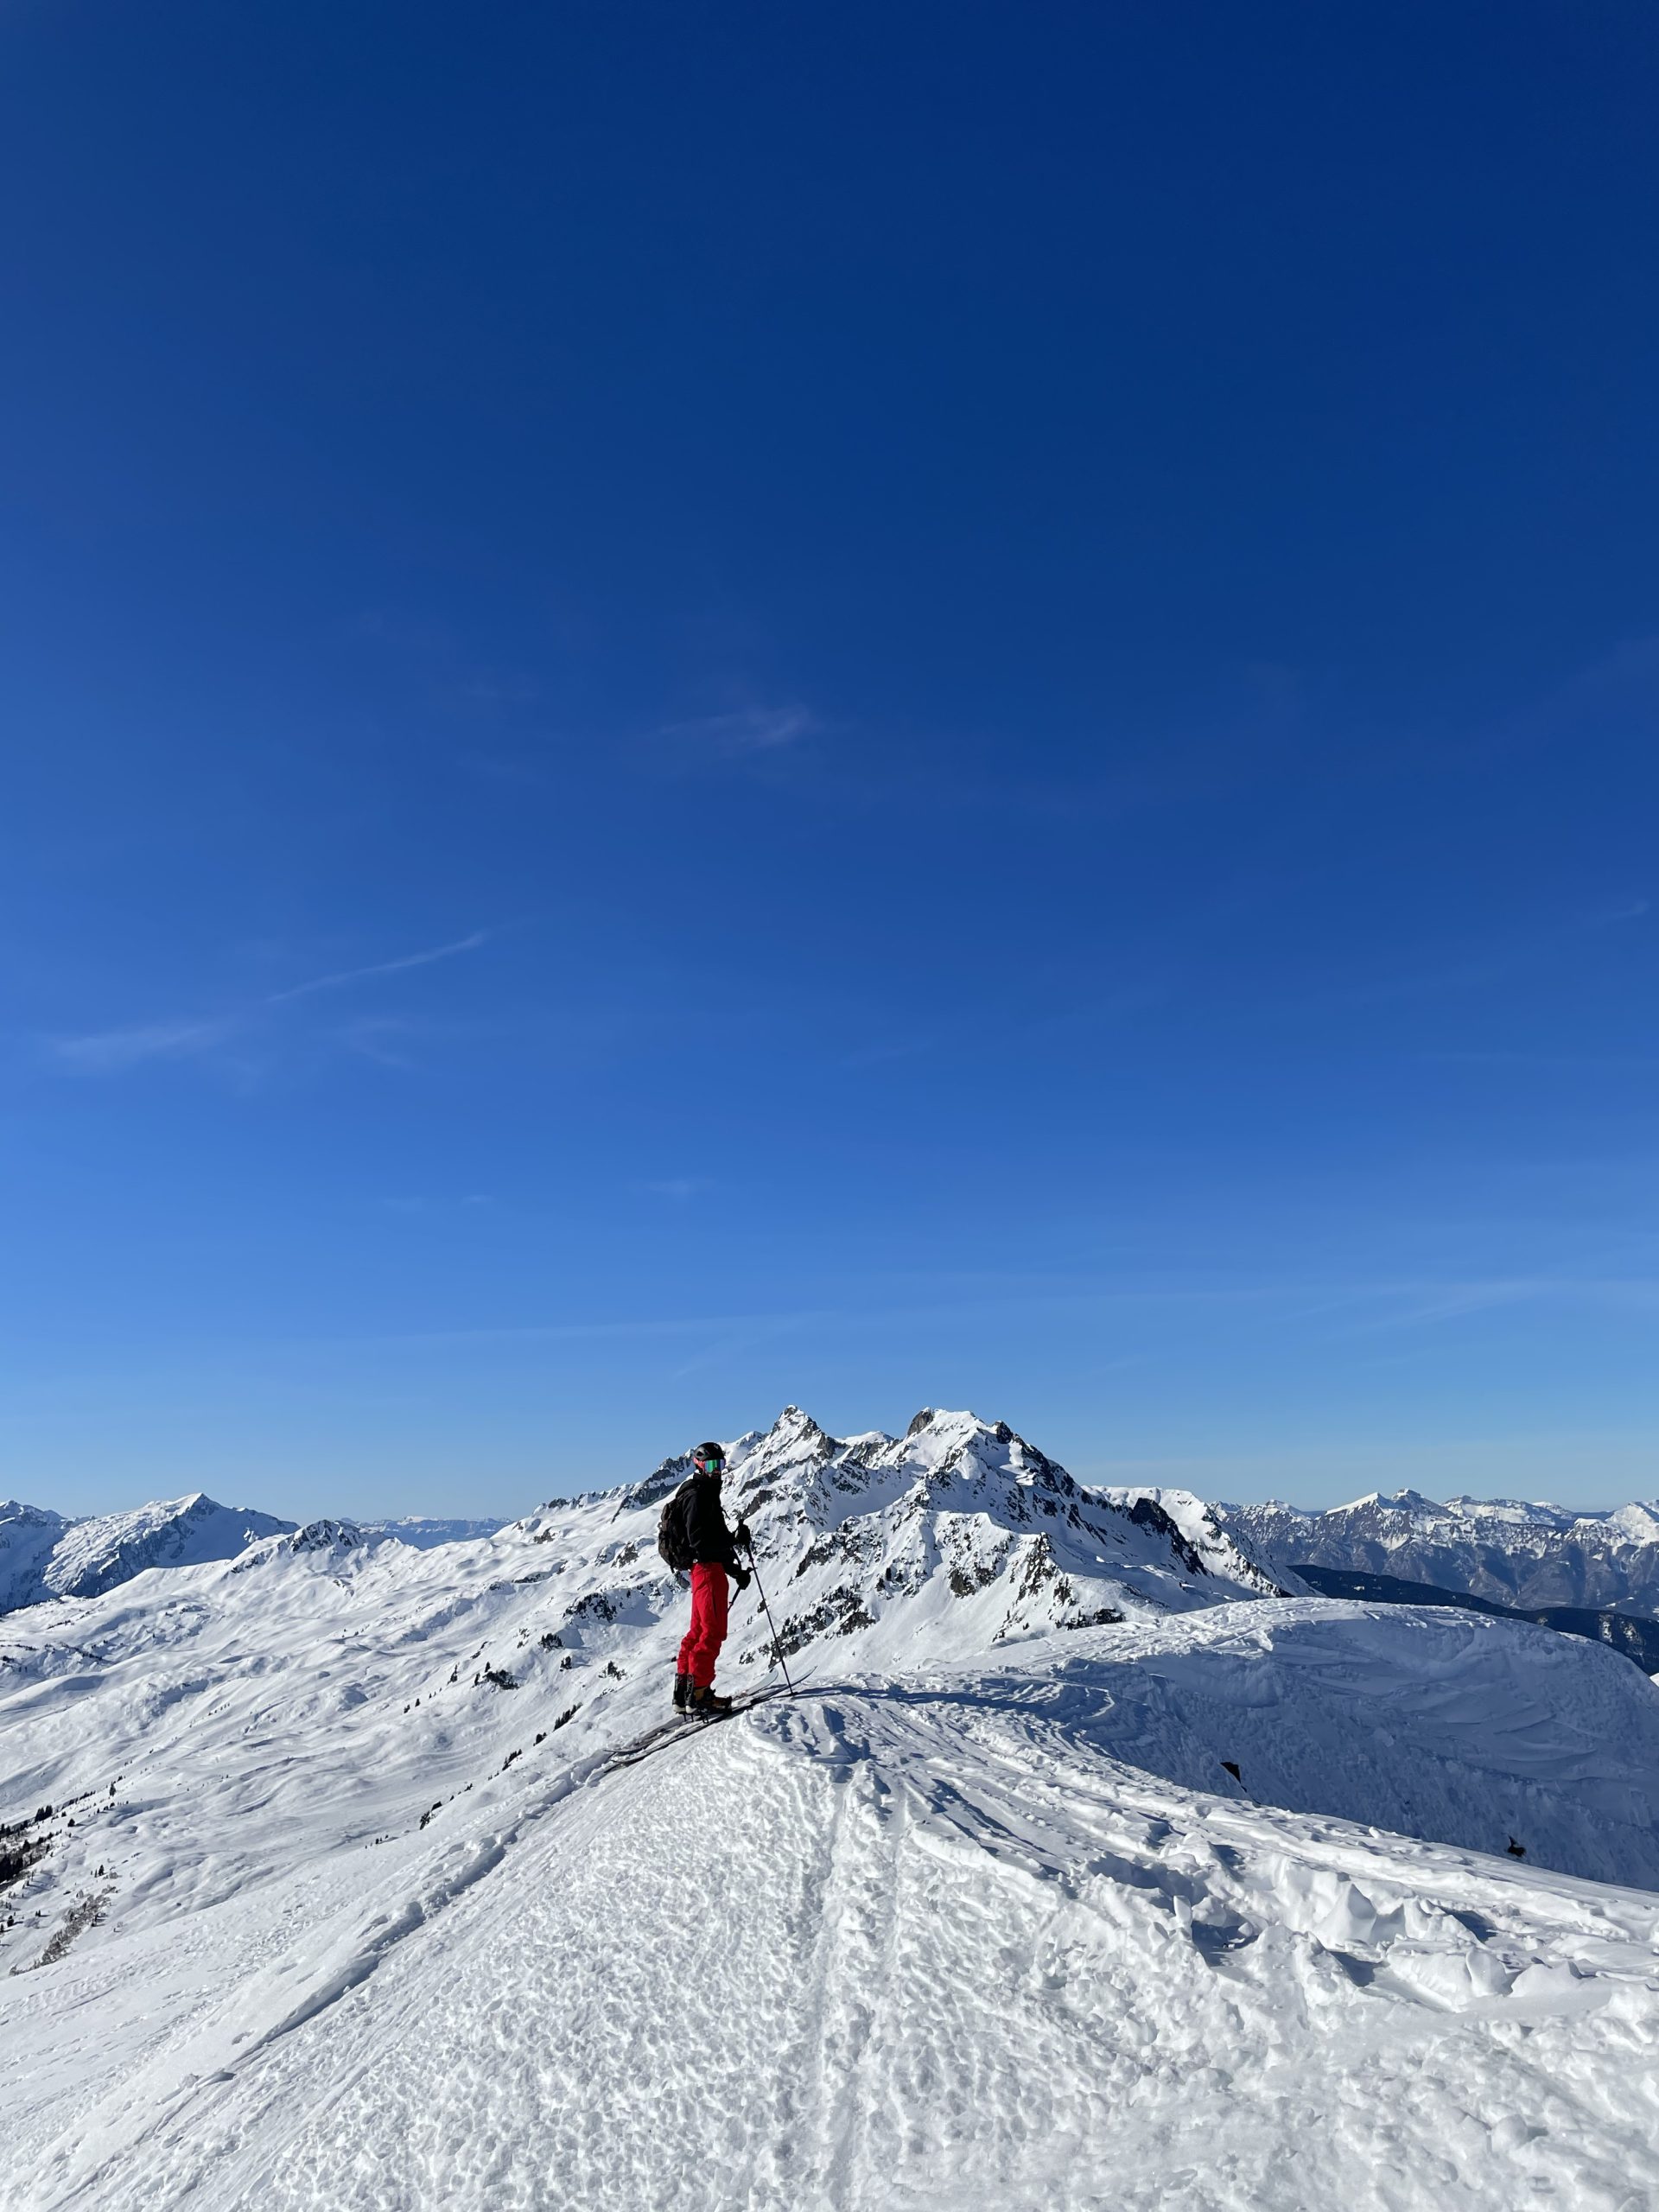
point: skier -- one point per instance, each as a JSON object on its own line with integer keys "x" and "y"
{"x": 713, "y": 1549}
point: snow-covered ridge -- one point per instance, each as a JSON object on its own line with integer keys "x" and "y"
{"x": 42, "y": 1555}
{"x": 959, "y": 1533}
{"x": 28, "y": 1537}
{"x": 1082, "y": 1870}
{"x": 1519, "y": 1554}
{"x": 45, "y": 1554}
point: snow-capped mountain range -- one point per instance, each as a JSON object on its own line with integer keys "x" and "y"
{"x": 45, "y": 1555}
{"x": 1517, "y": 1554}
{"x": 1525, "y": 1556}
{"x": 1085, "y": 1867}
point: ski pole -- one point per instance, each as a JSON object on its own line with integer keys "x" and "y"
{"x": 776, "y": 1641}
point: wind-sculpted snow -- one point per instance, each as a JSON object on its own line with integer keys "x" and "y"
{"x": 917, "y": 1944}
{"x": 1527, "y": 1556}
{"x": 341, "y": 1901}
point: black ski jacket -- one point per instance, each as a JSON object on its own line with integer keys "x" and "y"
{"x": 709, "y": 1539}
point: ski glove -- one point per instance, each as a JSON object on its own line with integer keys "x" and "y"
{"x": 740, "y": 1576}
{"x": 741, "y": 1535}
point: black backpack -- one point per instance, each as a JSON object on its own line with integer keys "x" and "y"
{"x": 673, "y": 1538}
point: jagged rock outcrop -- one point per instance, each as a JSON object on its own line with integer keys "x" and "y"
{"x": 956, "y": 1535}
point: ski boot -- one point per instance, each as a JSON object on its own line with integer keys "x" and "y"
{"x": 707, "y": 1705}
{"x": 682, "y": 1692}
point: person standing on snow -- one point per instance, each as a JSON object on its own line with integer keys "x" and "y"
{"x": 713, "y": 1549}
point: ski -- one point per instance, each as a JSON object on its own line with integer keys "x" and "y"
{"x": 684, "y": 1725}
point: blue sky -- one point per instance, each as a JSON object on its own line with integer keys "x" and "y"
{"x": 876, "y": 706}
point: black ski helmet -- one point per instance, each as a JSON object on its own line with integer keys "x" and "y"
{"x": 703, "y": 1454}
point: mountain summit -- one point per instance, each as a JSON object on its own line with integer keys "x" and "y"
{"x": 43, "y": 1556}
{"x": 957, "y": 1534}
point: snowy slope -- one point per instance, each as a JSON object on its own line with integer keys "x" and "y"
{"x": 1222, "y": 1548}
{"x": 42, "y": 1555}
{"x": 354, "y": 1911}
{"x": 918, "y": 1944}
{"x": 1523, "y": 1556}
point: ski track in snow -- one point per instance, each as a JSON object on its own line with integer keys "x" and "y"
{"x": 979, "y": 1921}
{"x": 919, "y": 1949}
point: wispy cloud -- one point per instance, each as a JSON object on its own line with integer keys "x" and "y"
{"x": 1618, "y": 909}
{"x": 108, "y": 1052}
{"x": 113, "y": 1051}
{"x": 1367, "y": 1309}
{"x": 1610, "y": 1061}
{"x": 680, "y": 1186}
{"x": 345, "y": 975}
{"x": 754, "y": 729}
{"x": 742, "y": 1340}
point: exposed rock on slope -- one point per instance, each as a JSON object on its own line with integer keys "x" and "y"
{"x": 956, "y": 1535}
{"x": 42, "y": 1555}
{"x": 28, "y": 1537}
{"x": 1517, "y": 1554}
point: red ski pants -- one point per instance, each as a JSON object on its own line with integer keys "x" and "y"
{"x": 700, "y": 1647}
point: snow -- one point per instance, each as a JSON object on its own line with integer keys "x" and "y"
{"x": 28, "y": 1536}
{"x": 978, "y": 1920}
{"x": 424, "y": 1530}
{"x": 1528, "y": 1556}
{"x": 44, "y": 1555}
{"x": 1220, "y": 1549}
{"x": 1638, "y": 1520}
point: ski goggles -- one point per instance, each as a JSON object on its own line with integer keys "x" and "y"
{"x": 713, "y": 1465}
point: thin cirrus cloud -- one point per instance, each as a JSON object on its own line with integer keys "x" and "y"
{"x": 109, "y": 1052}
{"x": 112, "y": 1051}
{"x": 345, "y": 976}
{"x": 1619, "y": 910}
{"x": 755, "y": 729}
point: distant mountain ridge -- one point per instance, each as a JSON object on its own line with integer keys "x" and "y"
{"x": 425, "y": 1530}
{"x": 45, "y": 1555}
{"x": 1514, "y": 1553}
{"x": 1525, "y": 1556}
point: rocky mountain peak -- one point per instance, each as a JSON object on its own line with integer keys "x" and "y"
{"x": 1516, "y": 1554}
{"x": 326, "y": 1535}
{"x": 83, "y": 1559}
{"x": 32, "y": 1516}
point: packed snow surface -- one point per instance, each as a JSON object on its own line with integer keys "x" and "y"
{"x": 359, "y": 1908}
